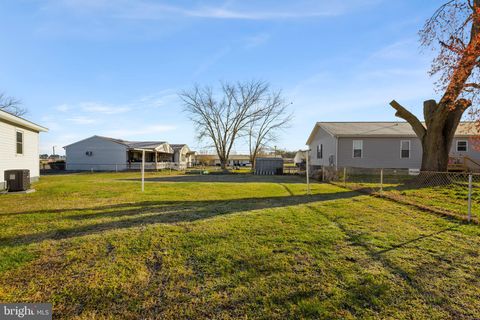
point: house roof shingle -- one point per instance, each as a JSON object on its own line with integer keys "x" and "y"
{"x": 134, "y": 144}
{"x": 381, "y": 129}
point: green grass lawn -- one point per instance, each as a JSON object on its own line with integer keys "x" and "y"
{"x": 229, "y": 247}
{"x": 451, "y": 198}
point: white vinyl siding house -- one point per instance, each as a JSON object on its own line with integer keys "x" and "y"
{"x": 99, "y": 153}
{"x": 19, "y": 147}
{"x": 378, "y": 145}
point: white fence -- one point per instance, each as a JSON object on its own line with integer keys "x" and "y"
{"x": 135, "y": 166}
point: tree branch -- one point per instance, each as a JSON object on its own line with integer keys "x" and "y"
{"x": 403, "y": 113}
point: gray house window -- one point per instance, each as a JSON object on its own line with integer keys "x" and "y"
{"x": 19, "y": 142}
{"x": 405, "y": 149}
{"x": 320, "y": 151}
{"x": 358, "y": 148}
{"x": 462, "y": 145}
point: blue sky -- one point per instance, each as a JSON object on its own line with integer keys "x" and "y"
{"x": 114, "y": 67}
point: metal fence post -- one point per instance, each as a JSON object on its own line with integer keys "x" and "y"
{"x": 143, "y": 170}
{"x": 345, "y": 177}
{"x": 469, "y": 197}
{"x": 381, "y": 180}
{"x": 307, "y": 173}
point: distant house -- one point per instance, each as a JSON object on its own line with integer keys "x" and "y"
{"x": 19, "y": 139}
{"x": 234, "y": 160}
{"x": 300, "y": 157}
{"x": 382, "y": 145}
{"x": 109, "y": 154}
{"x": 183, "y": 155}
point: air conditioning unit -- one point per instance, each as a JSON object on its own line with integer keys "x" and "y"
{"x": 17, "y": 180}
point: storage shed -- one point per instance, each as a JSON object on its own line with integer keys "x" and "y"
{"x": 268, "y": 166}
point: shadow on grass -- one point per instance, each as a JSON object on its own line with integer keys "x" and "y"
{"x": 411, "y": 279}
{"x": 225, "y": 178}
{"x": 166, "y": 212}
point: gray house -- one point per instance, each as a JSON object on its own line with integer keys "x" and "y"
{"x": 382, "y": 145}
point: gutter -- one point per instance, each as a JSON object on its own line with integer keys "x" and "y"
{"x": 336, "y": 153}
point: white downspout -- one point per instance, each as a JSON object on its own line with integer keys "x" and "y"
{"x": 336, "y": 153}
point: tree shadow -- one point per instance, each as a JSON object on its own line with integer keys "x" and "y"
{"x": 163, "y": 212}
{"x": 379, "y": 256}
{"x": 225, "y": 178}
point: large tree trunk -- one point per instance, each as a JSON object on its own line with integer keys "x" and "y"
{"x": 438, "y": 131}
{"x": 435, "y": 152}
{"x": 223, "y": 164}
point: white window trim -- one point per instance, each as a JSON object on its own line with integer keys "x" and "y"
{"x": 466, "y": 144}
{"x": 23, "y": 143}
{"x": 409, "y": 149}
{"x": 353, "y": 149}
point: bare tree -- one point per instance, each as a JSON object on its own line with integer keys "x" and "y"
{"x": 454, "y": 32}
{"x": 265, "y": 128}
{"x": 223, "y": 118}
{"x": 11, "y": 105}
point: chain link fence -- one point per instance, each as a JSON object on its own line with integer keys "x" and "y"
{"x": 449, "y": 193}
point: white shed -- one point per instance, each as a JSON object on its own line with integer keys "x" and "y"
{"x": 19, "y": 140}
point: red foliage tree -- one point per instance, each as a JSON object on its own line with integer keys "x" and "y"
{"x": 454, "y": 33}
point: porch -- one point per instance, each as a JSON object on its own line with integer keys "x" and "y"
{"x": 154, "y": 160}
{"x": 462, "y": 164}
{"x": 156, "y": 166}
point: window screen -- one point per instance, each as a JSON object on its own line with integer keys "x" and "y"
{"x": 19, "y": 142}
{"x": 462, "y": 145}
{"x": 357, "y": 148}
{"x": 405, "y": 149}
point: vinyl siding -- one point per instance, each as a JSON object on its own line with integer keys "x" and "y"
{"x": 8, "y": 156}
{"x": 385, "y": 153}
{"x": 379, "y": 153}
{"x": 322, "y": 137}
{"x": 106, "y": 155}
{"x": 471, "y": 152}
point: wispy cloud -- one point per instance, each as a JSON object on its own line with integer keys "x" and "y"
{"x": 247, "y": 10}
{"x": 256, "y": 40}
{"x": 103, "y": 108}
{"x": 401, "y": 49}
{"x": 142, "y": 130}
{"x": 63, "y": 108}
{"x": 163, "y": 98}
{"x": 83, "y": 120}
{"x": 211, "y": 61}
